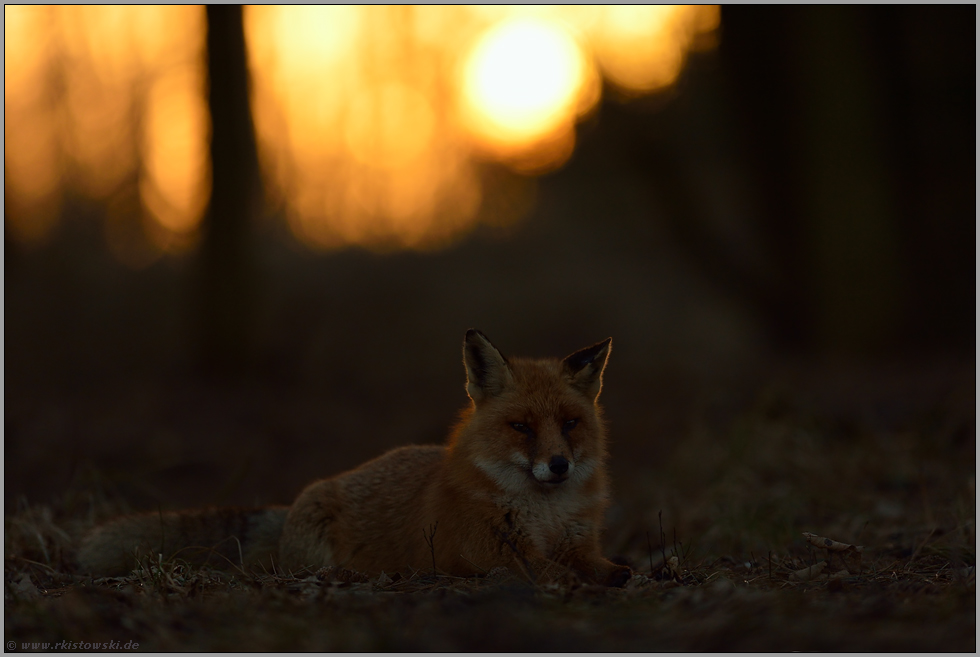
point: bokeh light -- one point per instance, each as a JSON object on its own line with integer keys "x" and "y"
{"x": 641, "y": 48}
{"x": 373, "y": 122}
{"x": 174, "y": 149}
{"x": 352, "y": 120}
{"x": 100, "y": 100}
{"x": 522, "y": 83}
{"x": 32, "y": 152}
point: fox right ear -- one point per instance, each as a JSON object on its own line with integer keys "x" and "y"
{"x": 584, "y": 368}
{"x": 487, "y": 371}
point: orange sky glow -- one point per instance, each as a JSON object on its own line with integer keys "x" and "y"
{"x": 373, "y": 122}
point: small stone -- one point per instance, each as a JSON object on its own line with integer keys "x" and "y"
{"x": 25, "y": 588}
{"x": 498, "y": 573}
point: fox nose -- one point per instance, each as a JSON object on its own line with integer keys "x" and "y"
{"x": 558, "y": 465}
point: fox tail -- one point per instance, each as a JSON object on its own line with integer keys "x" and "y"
{"x": 220, "y": 537}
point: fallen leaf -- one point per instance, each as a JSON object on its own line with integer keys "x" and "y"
{"x": 830, "y": 544}
{"x": 811, "y": 572}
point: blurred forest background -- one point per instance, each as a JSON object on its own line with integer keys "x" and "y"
{"x": 232, "y": 277}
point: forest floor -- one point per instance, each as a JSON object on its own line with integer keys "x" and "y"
{"x": 715, "y": 529}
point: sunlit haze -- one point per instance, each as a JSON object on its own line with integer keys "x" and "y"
{"x": 373, "y": 122}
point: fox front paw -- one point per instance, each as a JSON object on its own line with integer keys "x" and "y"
{"x": 618, "y": 576}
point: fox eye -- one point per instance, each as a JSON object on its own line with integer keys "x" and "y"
{"x": 569, "y": 425}
{"x": 519, "y": 426}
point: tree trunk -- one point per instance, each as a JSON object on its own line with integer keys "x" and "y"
{"x": 226, "y": 268}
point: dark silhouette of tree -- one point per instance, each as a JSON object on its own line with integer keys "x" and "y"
{"x": 848, "y": 120}
{"x": 226, "y": 268}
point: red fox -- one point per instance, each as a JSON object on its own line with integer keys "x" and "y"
{"x": 521, "y": 483}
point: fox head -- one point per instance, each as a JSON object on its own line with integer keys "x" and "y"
{"x": 535, "y": 423}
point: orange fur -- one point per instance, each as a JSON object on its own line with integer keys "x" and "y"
{"x": 521, "y": 483}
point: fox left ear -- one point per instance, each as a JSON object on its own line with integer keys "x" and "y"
{"x": 583, "y": 369}
{"x": 487, "y": 371}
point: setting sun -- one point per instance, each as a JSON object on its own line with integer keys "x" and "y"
{"x": 522, "y": 81}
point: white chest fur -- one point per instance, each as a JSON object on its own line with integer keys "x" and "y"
{"x": 547, "y": 518}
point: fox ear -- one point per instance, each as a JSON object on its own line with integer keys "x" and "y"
{"x": 487, "y": 371}
{"x": 583, "y": 369}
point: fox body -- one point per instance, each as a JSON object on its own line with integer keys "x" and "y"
{"x": 521, "y": 483}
